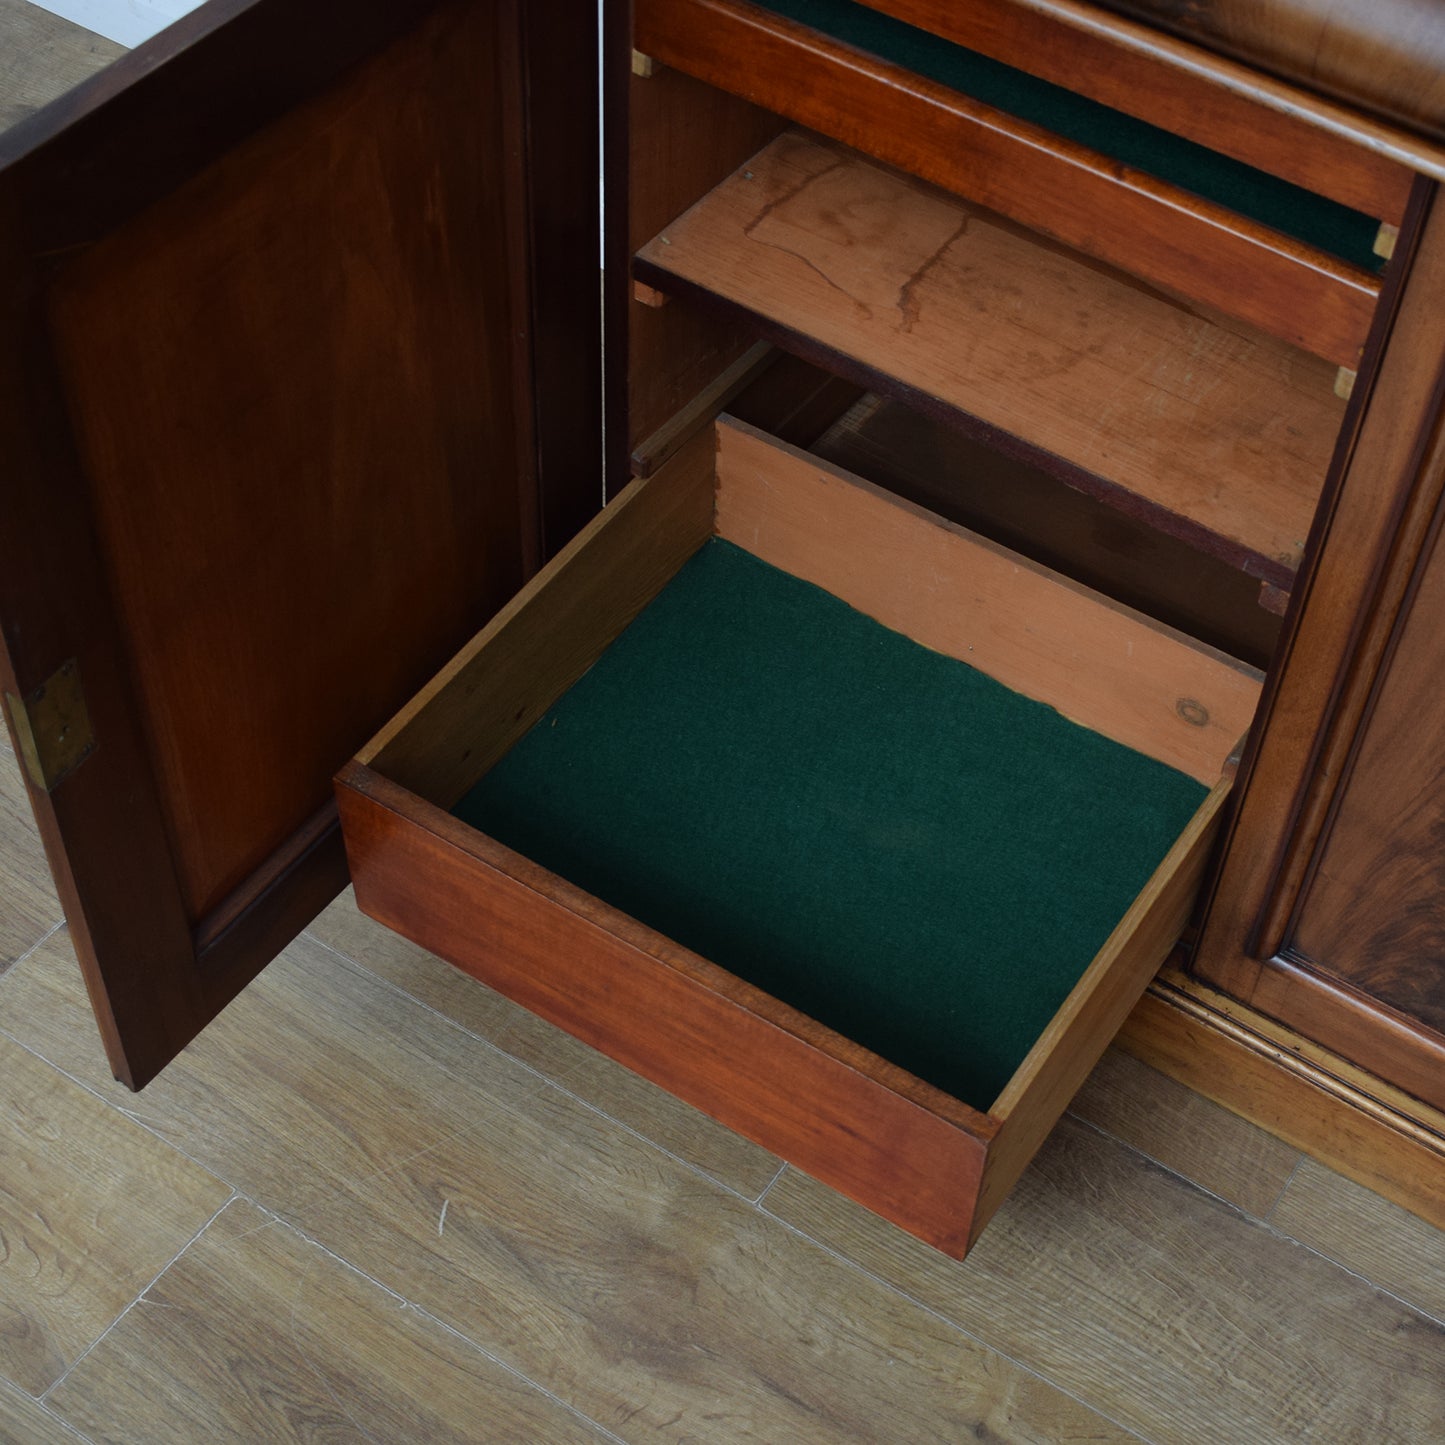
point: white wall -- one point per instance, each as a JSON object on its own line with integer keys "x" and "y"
{"x": 127, "y": 22}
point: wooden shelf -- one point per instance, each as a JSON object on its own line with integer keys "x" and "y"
{"x": 1092, "y": 202}
{"x": 1207, "y": 429}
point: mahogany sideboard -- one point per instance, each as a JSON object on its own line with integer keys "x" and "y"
{"x": 303, "y": 382}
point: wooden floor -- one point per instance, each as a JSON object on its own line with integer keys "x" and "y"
{"x": 376, "y": 1202}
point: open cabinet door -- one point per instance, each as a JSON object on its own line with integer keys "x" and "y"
{"x": 291, "y": 299}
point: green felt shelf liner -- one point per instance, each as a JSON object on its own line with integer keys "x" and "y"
{"x": 1313, "y": 219}
{"x": 875, "y": 833}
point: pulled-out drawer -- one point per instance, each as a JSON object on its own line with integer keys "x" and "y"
{"x": 794, "y": 848}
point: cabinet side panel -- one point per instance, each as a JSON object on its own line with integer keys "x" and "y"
{"x": 685, "y": 138}
{"x": 299, "y": 440}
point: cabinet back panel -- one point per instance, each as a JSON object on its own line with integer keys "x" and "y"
{"x": 302, "y": 449}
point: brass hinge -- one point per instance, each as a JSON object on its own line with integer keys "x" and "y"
{"x": 52, "y": 727}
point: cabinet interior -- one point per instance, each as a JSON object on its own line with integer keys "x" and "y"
{"x": 991, "y": 358}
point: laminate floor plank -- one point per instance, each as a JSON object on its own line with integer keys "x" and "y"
{"x": 1162, "y": 1306}
{"x": 627, "y": 1284}
{"x": 42, "y": 56}
{"x": 316, "y": 1077}
{"x": 255, "y": 1334}
{"x": 1367, "y": 1234}
{"x": 92, "y": 1208}
{"x": 1179, "y": 1129}
{"x": 667, "y": 1309}
{"x": 25, "y": 1422}
{"x": 29, "y": 908}
{"x": 619, "y": 1093}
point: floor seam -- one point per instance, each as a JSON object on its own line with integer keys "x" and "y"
{"x": 154, "y": 1280}
{"x": 933, "y": 1312}
{"x": 553, "y": 1083}
{"x": 39, "y": 943}
{"x": 426, "y": 1314}
{"x": 119, "y": 1108}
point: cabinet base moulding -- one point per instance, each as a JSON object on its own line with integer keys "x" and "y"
{"x": 1349, "y": 1120}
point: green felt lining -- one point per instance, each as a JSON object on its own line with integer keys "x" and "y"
{"x": 873, "y": 832}
{"x": 1313, "y": 219}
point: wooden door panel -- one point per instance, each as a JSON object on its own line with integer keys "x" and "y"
{"x": 267, "y": 363}
{"x": 1326, "y": 912}
{"x": 264, "y": 512}
{"x": 1373, "y": 913}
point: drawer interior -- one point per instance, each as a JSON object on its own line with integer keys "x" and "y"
{"x": 872, "y": 832}
{"x": 711, "y": 952}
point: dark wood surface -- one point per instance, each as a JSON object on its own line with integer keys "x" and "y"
{"x": 1371, "y": 911}
{"x": 1373, "y": 527}
{"x": 1386, "y": 56}
{"x": 558, "y": 96}
{"x": 1087, "y": 201}
{"x": 268, "y": 385}
{"x": 1144, "y": 74}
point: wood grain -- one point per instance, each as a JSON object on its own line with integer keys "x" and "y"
{"x": 43, "y": 56}
{"x": 1100, "y": 665}
{"x": 93, "y": 1207}
{"x": 264, "y": 394}
{"x": 23, "y": 1420}
{"x": 28, "y": 903}
{"x": 507, "y": 676}
{"x": 635, "y": 1289}
{"x": 1215, "y": 434}
{"x": 1029, "y": 510}
{"x": 255, "y": 1100}
{"x": 354, "y": 355}
{"x": 1227, "y": 107}
{"x": 588, "y": 1075}
{"x": 1385, "y": 56}
{"x": 1384, "y": 490}
{"x": 1125, "y": 1284}
{"x": 683, "y": 138}
{"x": 652, "y": 451}
{"x": 255, "y": 1333}
{"x": 902, "y": 1147}
{"x": 1370, "y": 914}
{"x": 271, "y": 326}
{"x": 1366, "y": 1234}
{"x": 669, "y": 1310}
{"x": 1085, "y": 200}
{"x": 1386, "y": 1041}
{"x": 1182, "y": 1130}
